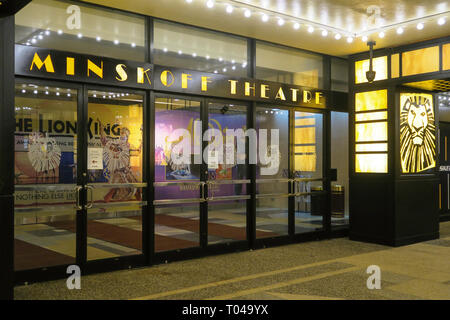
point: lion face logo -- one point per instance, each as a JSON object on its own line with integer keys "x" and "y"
{"x": 417, "y": 133}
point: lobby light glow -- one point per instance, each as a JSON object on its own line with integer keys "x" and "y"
{"x": 98, "y": 39}
{"x": 229, "y": 8}
{"x": 60, "y": 32}
{"x": 420, "y": 26}
{"x": 247, "y": 13}
{"x": 441, "y": 21}
{"x": 400, "y": 30}
{"x": 80, "y": 36}
{"x": 324, "y": 33}
{"x": 310, "y": 29}
{"x": 364, "y": 38}
{"x": 349, "y": 39}
{"x": 189, "y": 1}
{"x": 296, "y": 26}
{"x": 338, "y": 36}
{"x": 280, "y": 22}
{"x": 210, "y": 4}
{"x": 265, "y": 18}
{"x": 381, "y": 34}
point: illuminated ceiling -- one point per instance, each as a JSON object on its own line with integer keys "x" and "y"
{"x": 348, "y": 18}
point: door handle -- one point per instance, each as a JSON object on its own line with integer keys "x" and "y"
{"x": 91, "y": 203}
{"x": 77, "y": 198}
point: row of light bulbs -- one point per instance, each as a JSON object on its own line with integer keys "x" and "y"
{"x": 296, "y": 25}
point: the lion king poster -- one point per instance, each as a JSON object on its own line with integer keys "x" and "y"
{"x": 417, "y": 132}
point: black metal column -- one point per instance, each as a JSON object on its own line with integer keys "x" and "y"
{"x": 7, "y": 158}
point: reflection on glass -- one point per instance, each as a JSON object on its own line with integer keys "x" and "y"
{"x": 45, "y": 175}
{"x": 176, "y": 221}
{"x": 196, "y": 49}
{"x": 308, "y": 154}
{"x": 114, "y": 156}
{"x": 272, "y": 205}
{"x": 287, "y": 65}
{"x": 71, "y": 26}
{"x": 227, "y": 218}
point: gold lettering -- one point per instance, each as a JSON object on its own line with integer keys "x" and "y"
{"x": 95, "y": 69}
{"x": 294, "y": 94}
{"x": 38, "y": 62}
{"x": 184, "y": 80}
{"x": 307, "y": 96}
{"x": 120, "y": 69}
{"x": 233, "y": 86}
{"x": 140, "y": 75}
{"x": 70, "y": 66}
{"x": 164, "y": 77}
{"x": 248, "y": 88}
{"x": 205, "y": 81}
{"x": 280, "y": 94}
{"x": 264, "y": 88}
{"x": 318, "y": 96}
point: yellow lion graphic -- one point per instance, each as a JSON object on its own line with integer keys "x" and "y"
{"x": 417, "y": 133}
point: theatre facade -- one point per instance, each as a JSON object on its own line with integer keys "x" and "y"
{"x": 97, "y": 103}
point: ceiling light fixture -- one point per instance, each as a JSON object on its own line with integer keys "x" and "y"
{"x": 229, "y": 8}
{"x": 381, "y": 35}
{"x": 310, "y": 29}
{"x": 420, "y": 26}
{"x": 400, "y": 30}
{"x": 247, "y": 13}
{"x": 210, "y": 4}
{"x": 296, "y": 26}
{"x": 338, "y": 36}
{"x": 441, "y": 21}
{"x": 364, "y": 38}
{"x": 349, "y": 39}
{"x": 324, "y": 33}
{"x": 265, "y": 18}
{"x": 280, "y": 22}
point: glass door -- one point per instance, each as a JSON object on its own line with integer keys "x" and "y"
{"x": 179, "y": 192}
{"x": 46, "y": 172}
{"x": 310, "y": 198}
{"x": 115, "y": 182}
{"x": 227, "y": 179}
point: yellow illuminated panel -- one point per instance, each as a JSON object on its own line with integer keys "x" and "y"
{"x": 305, "y": 149}
{"x": 305, "y": 162}
{"x": 446, "y": 56}
{"x": 305, "y": 135}
{"x": 305, "y": 122}
{"x": 379, "y": 66}
{"x": 420, "y": 61}
{"x": 372, "y": 147}
{"x": 371, "y": 116}
{"x": 371, "y": 163}
{"x": 373, "y": 131}
{"x": 395, "y": 65}
{"x": 417, "y": 132}
{"x": 371, "y": 100}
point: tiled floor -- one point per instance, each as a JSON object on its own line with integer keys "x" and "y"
{"x": 329, "y": 269}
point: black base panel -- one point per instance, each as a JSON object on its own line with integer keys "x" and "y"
{"x": 395, "y": 242}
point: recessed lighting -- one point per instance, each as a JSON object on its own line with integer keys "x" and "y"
{"x": 116, "y": 41}
{"x": 349, "y": 39}
{"x": 220, "y": 59}
{"x": 207, "y": 57}
{"x": 133, "y": 44}
{"x": 165, "y": 49}
{"x": 420, "y": 26}
{"x": 265, "y": 18}
{"x": 224, "y": 69}
{"x": 364, "y": 38}
{"x": 215, "y": 71}
{"x": 324, "y": 33}
{"x": 310, "y": 29}
{"x": 47, "y": 32}
{"x": 247, "y": 13}
{"x": 194, "y": 54}
{"x": 94, "y": 95}
{"x": 57, "y": 93}
{"x": 189, "y": 1}
{"x": 400, "y": 30}
{"x": 46, "y": 92}
{"x": 40, "y": 37}
{"x": 381, "y": 34}
{"x": 23, "y": 90}
{"x": 60, "y": 31}
{"x": 337, "y": 36}
{"x": 210, "y": 4}
{"x": 80, "y": 36}
{"x": 296, "y": 26}
{"x": 180, "y": 52}
{"x": 441, "y": 21}
{"x": 229, "y": 8}
{"x": 68, "y": 94}
{"x": 35, "y": 91}
{"x": 280, "y": 22}
{"x": 233, "y": 67}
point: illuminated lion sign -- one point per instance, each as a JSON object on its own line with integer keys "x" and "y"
{"x": 417, "y": 132}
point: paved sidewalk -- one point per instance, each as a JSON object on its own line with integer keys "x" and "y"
{"x": 329, "y": 269}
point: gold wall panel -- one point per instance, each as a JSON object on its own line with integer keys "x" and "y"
{"x": 305, "y": 162}
{"x": 371, "y": 163}
{"x": 373, "y": 131}
{"x": 305, "y": 135}
{"x": 417, "y": 132}
{"x": 371, "y": 147}
{"x": 446, "y": 56}
{"x": 304, "y": 149}
{"x": 395, "y": 65}
{"x": 371, "y": 116}
{"x": 420, "y": 61}
{"x": 371, "y": 100}
{"x": 379, "y": 65}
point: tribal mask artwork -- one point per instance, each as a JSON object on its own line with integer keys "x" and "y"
{"x": 417, "y": 132}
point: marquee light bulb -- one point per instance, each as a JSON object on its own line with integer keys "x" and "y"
{"x": 229, "y": 8}
{"x": 381, "y": 34}
{"x": 400, "y": 30}
{"x": 210, "y": 4}
{"x": 247, "y": 13}
{"x": 280, "y": 22}
{"x": 349, "y": 39}
{"x": 324, "y": 33}
{"x": 364, "y": 38}
{"x": 441, "y": 21}
{"x": 265, "y": 18}
{"x": 310, "y": 29}
{"x": 296, "y": 26}
{"x": 420, "y": 26}
{"x": 189, "y": 1}
{"x": 337, "y": 36}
